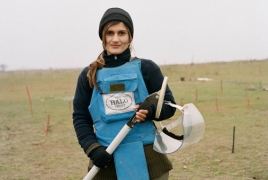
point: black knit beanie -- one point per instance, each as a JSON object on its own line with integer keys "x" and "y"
{"x": 116, "y": 14}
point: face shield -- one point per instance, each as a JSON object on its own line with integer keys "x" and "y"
{"x": 193, "y": 127}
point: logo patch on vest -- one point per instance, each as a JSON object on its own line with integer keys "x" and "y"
{"x": 118, "y": 102}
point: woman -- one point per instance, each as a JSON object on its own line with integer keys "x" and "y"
{"x": 107, "y": 94}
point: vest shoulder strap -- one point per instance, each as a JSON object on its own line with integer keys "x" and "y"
{"x": 133, "y": 58}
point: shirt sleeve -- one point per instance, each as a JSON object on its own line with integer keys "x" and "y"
{"x": 82, "y": 120}
{"x": 153, "y": 79}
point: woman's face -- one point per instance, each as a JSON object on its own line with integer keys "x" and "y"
{"x": 117, "y": 39}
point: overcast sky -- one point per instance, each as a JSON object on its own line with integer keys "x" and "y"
{"x": 43, "y": 34}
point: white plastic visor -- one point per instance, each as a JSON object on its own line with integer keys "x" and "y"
{"x": 193, "y": 126}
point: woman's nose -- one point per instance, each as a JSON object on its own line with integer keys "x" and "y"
{"x": 115, "y": 37}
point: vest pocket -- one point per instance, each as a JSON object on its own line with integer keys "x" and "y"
{"x": 118, "y": 96}
{"x": 130, "y": 82}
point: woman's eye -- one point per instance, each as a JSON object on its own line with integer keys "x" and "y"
{"x": 122, "y": 32}
{"x": 109, "y": 33}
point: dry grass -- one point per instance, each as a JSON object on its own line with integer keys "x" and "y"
{"x": 27, "y": 153}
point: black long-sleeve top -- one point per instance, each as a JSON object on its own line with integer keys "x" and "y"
{"x": 82, "y": 120}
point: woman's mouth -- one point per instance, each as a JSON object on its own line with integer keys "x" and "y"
{"x": 115, "y": 46}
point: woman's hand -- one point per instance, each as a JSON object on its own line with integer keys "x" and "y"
{"x": 100, "y": 157}
{"x": 141, "y": 114}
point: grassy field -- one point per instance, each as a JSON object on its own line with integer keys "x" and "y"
{"x": 38, "y": 140}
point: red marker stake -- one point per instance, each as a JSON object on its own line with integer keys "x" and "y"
{"x": 221, "y": 88}
{"x": 70, "y": 108}
{"x": 48, "y": 121}
{"x": 248, "y": 103}
{"x": 217, "y": 107}
{"x": 30, "y": 101}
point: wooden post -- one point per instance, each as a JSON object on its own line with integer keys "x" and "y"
{"x": 233, "y": 139}
{"x": 70, "y": 107}
{"x": 221, "y": 88}
{"x": 217, "y": 106}
{"x": 48, "y": 121}
{"x": 248, "y": 103}
{"x": 30, "y": 101}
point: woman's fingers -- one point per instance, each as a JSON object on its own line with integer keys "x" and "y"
{"x": 136, "y": 106}
{"x": 141, "y": 115}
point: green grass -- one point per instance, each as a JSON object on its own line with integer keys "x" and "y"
{"x": 27, "y": 152}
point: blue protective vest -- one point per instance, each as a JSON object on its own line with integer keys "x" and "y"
{"x": 120, "y": 88}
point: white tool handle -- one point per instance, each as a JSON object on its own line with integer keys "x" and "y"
{"x": 110, "y": 149}
{"x": 161, "y": 97}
